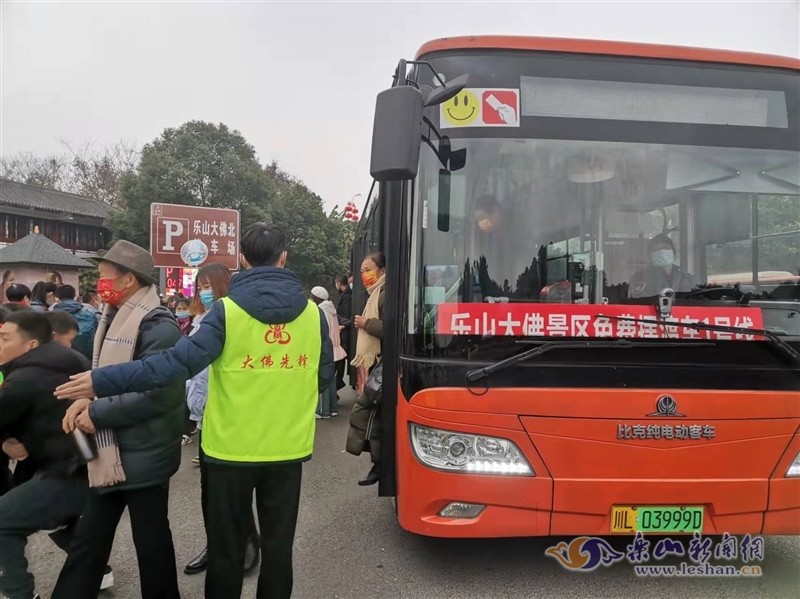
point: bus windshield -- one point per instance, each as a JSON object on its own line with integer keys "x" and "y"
{"x": 602, "y": 223}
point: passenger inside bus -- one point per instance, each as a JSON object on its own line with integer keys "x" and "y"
{"x": 662, "y": 272}
{"x": 488, "y": 216}
{"x": 491, "y": 242}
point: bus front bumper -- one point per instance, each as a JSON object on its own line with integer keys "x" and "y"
{"x": 431, "y": 502}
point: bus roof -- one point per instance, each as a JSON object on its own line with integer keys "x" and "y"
{"x": 584, "y": 46}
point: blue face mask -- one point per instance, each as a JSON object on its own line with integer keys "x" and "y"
{"x": 207, "y": 297}
{"x": 663, "y": 258}
{"x": 181, "y": 314}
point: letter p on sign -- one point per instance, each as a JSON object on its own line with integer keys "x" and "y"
{"x": 173, "y": 229}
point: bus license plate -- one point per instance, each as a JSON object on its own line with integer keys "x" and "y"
{"x": 656, "y": 519}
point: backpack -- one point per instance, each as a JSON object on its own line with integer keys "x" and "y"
{"x": 87, "y": 327}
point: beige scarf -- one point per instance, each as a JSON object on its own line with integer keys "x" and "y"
{"x": 368, "y": 348}
{"x": 117, "y": 347}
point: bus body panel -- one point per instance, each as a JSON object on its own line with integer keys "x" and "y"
{"x": 605, "y": 48}
{"x": 593, "y": 448}
{"x": 612, "y": 403}
{"x": 517, "y": 506}
{"x": 569, "y": 437}
{"x": 784, "y": 495}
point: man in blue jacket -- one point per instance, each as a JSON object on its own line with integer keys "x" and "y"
{"x": 270, "y": 357}
{"x": 87, "y": 319}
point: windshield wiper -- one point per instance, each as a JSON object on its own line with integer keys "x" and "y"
{"x": 790, "y": 354}
{"x": 473, "y": 376}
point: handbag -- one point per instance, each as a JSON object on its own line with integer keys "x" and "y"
{"x": 373, "y": 388}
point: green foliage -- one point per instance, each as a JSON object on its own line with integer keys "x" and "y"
{"x": 319, "y": 244}
{"x": 197, "y": 164}
{"x": 88, "y": 280}
{"x": 202, "y": 164}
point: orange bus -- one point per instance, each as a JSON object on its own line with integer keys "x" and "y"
{"x": 584, "y": 330}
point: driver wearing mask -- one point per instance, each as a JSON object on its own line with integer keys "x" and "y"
{"x": 662, "y": 273}
{"x": 491, "y": 242}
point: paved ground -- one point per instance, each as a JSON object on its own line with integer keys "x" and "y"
{"x": 349, "y": 545}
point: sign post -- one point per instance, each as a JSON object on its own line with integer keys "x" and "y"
{"x": 182, "y": 236}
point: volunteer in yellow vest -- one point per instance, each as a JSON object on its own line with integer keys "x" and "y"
{"x": 270, "y": 357}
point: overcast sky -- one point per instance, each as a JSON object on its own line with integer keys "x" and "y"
{"x": 297, "y": 80}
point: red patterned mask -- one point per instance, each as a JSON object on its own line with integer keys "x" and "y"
{"x": 107, "y": 293}
{"x": 369, "y": 278}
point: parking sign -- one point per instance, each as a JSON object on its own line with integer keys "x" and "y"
{"x": 191, "y": 236}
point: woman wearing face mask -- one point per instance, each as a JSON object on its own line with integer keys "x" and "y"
{"x": 364, "y": 433}
{"x": 212, "y": 283}
{"x": 183, "y": 316}
{"x": 662, "y": 272}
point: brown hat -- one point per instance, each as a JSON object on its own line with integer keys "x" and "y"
{"x": 130, "y": 256}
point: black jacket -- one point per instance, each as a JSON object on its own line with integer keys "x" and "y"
{"x": 30, "y": 413}
{"x": 345, "y": 312}
{"x": 147, "y": 425}
{"x": 651, "y": 281}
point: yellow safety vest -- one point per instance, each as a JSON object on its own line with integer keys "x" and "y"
{"x": 263, "y": 389}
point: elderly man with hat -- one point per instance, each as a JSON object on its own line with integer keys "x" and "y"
{"x": 270, "y": 357}
{"x": 137, "y": 436}
{"x": 329, "y": 399}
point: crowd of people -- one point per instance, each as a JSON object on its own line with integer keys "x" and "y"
{"x": 99, "y": 394}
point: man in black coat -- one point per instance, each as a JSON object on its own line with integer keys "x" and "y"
{"x": 30, "y": 425}
{"x": 145, "y": 429}
{"x": 345, "y": 313}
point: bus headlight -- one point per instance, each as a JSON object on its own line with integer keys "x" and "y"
{"x": 462, "y": 452}
{"x": 794, "y": 468}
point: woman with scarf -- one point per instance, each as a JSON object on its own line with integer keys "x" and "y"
{"x": 364, "y": 433}
{"x": 212, "y": 284}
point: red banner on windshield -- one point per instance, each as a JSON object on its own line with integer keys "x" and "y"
{"x": 591, "y": 320}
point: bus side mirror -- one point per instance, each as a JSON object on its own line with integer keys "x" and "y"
{"x": 396, "y": 134}
{"x": 458, "y": 159}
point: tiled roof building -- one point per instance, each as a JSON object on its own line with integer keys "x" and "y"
{"x": 74, "y": 222}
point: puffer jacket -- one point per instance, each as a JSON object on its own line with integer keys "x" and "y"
{"x": 271, "y": 295}
{"x": 148, "y": 425}
{"x": 30, "y": 412}
{"x": 365, "y": 427}
{"x": 197, "y": 386}
{"x": 88, "y": 321}
{"x": 365, "y": 419}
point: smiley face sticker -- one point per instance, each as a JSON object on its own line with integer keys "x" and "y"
{"x": 479, "y": 107}
{"x": 461, "y": 110}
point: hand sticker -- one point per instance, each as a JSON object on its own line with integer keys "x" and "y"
{"x": 506, "y": 112}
